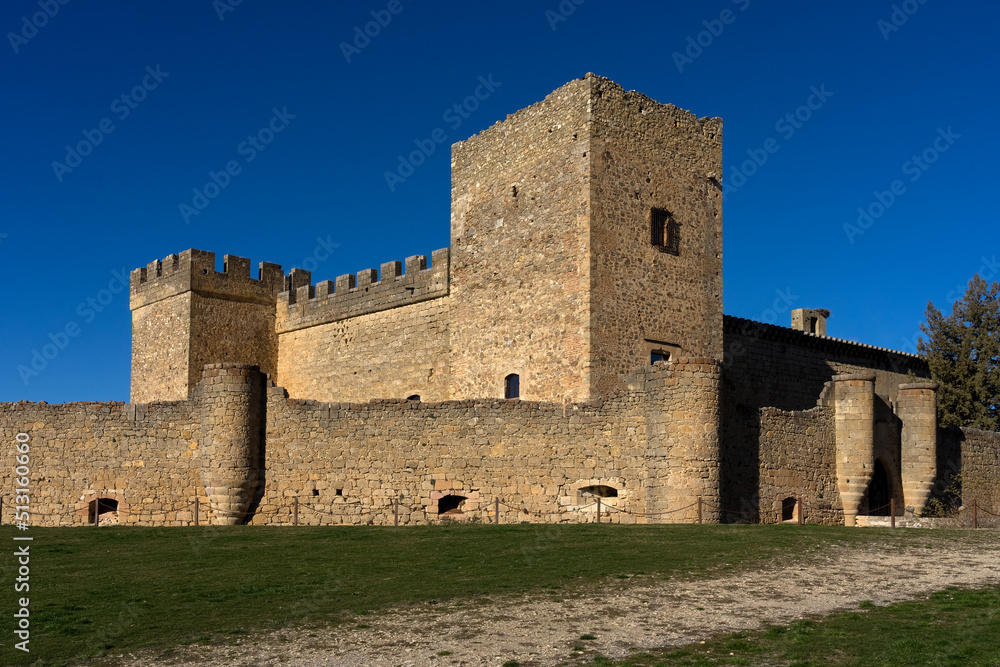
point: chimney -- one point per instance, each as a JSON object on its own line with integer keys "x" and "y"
{"x": 810, "y": 320}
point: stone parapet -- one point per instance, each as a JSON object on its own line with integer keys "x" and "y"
{"x": 304, "y": 305}
{"x": 194, "y": 271}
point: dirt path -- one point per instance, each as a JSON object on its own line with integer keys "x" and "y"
{"x": 639, "y": 614}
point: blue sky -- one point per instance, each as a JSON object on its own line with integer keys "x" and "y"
{"x": 903, "y": 100}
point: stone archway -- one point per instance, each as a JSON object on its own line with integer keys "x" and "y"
{"x": 880, "y": 491}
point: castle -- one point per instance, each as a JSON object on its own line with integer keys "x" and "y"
{"x": 566, "y": 356}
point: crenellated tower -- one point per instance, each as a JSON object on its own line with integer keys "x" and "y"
{"x": 185, "y": 314}
{"x": 586, "y": 239}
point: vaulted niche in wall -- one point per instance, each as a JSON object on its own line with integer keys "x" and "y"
{"x": 451, "y": 504}
{"x": 414, "y": 397}
{"x": 599, "y": 491}
{"x": 789, "y": 509}
{"x": 879, "y": 491}
{"x": 104, "y": 508}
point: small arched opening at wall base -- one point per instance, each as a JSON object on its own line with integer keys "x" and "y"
{"x": 599, "y": 491}
{"x": 451, "y": 504}
{"x": 104, "y": 509}
{"x": 512, "y": 386}
{"x": 790, "y": 509}
{"x": 879, "y": 491}
{"x": 413, "y": 397}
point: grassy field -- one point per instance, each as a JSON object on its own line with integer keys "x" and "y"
{"x": 953, "y": 628}
{"x": 107, "y": 590}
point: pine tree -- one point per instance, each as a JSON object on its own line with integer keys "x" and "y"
{"x": 963, "y": 352}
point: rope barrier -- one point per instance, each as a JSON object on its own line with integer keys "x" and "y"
{"x": 983, "y": 509}
{"x": 871, "y": 511}
{"x": 136, "y": 515}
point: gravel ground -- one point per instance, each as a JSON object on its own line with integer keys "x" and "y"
{"x": 629, "y": 615}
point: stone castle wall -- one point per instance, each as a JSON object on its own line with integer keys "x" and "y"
{"x": 552, "y": 275}
{"x": 161, "y": 336}
{"x": 655, "y": 445}
{"x": 145, "y": 457}
{"x": 976, "y": 455}
{"x": 797, "y": 459}
{"x": 646, "y": 155}
{"x": 766, "y": 366}
{"x": 520, "y": 271}
{"x": 362, "y": 337}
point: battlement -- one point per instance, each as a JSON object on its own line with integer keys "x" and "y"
{"x": 194, "y": 270}
{"x": 304, "y": 305}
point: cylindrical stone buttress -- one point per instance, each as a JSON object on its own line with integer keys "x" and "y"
{"x": 231, "y": 399}
{"x": 916, "y": 408}
{"x": 855, "y": 431}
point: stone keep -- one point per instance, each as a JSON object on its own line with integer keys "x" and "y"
{"x": 552, "y": 274}
{"x": 586, "y": 261}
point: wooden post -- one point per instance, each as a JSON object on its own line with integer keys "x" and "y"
{"x": 798, "y": 508}
{"x": 295, "y": 511}
{"x": 598, "y": 509}
{"x": 496, "y": 511}
{"x": 699, "y": 509}
{"x": 975, "y": 514}
{"x": 196, "y": 510}
{"x": 1, "y": 510}
{"x": 395, "y": 511}
{"x": 97, "y": 511}
{"x": 892, "y": 512}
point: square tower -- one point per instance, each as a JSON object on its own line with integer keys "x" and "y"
{"x": 586, "y": 241}
{"x": 185, "y": 315}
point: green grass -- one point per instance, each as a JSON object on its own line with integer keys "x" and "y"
{"x": 956, "y": 628}
{"x": 97, "y": 592}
